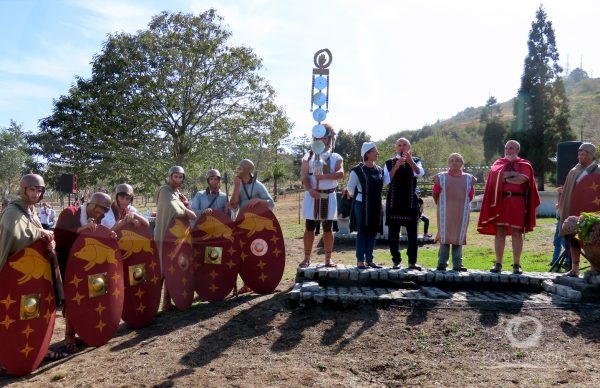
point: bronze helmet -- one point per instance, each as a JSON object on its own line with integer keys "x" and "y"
{"x": 30, "y": 180}
{"x": 176, "y": 169}
{"x": 213, "y": 172}
{"x": 100, "y": 199}
{"x": 124, "y": 188}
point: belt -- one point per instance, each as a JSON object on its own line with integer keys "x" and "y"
{"x": 326, "y": 191}
{"x": 509, "y": 194}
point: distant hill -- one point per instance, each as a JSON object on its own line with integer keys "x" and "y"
{"x": 464, "y": 133}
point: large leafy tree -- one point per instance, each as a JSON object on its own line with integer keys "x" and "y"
{"x": 15, "y": 159}
{"x": 174, "y": 94}
{"x": 541, "y": 107}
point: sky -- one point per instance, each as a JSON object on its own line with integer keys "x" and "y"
{"x": 397, "y": 65}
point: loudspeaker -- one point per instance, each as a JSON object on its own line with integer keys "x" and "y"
{"x": 68, "y": 183}
{"x": 566, "y": 159}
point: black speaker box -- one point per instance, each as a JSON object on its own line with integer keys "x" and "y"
{"x": 68, "y": 183}
{"x": 566, "y": 159}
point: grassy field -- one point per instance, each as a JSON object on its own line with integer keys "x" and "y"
{"x": 477, "y": 254}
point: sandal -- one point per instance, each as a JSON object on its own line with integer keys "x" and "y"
{"x": 244, "y": 290}
{"x": 53, "y": 356}
{"x": 305, "y": 263}
{"x": 70, "y": 344}
{"x": 572, "y": 274}
{"x": 330, "y": 264}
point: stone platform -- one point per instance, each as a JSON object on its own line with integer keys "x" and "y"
{"x": 347, "y": 284}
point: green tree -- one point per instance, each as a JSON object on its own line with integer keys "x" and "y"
{"x": 541, "y": 108}
{"x": 176, "y": 93}
{"x": 15, "y": 158}
{"x": 348, "y": 145}
{"x": 494, "y": 132}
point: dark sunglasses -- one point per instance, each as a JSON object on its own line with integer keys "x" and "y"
{"x": 106, "y": 209}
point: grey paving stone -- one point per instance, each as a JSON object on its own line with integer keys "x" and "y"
{"x": 434, "y": 292}
{"x": 310, "y": 286}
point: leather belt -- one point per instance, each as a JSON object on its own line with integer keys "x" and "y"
{"x": 509, "y": 194}
{"x": 326, "y": 191}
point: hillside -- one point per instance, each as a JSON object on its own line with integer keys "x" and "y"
{"x": 463, "y": 132}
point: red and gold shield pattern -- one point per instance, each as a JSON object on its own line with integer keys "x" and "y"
{"x": 94, "y": 288}
{"x": 216, "y": 261}
{"x": 142, "y": 280}
{"x": 27, "y": 309}
{"x": 262, "y": 249}
{"x": 586, "y": 195}
{"x": 177, "y": 262}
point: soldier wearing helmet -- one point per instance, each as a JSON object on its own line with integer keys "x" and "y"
{"x": 170, "y": 203}
{"x": 247, "y": 190}
{"x": 122, "y": 211}
{"x": 212, "y": 198}
{"x": 320, "y": 172}
{"x": 72, "y": 221}
{"x": 19, "y": 225}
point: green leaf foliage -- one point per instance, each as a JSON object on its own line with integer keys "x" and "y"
{"x": 174, "y": 94}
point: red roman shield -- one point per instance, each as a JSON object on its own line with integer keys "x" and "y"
{"x": 142, "y": 280}
{"x": 94, "y": 289}
{"x": 27, "y": 309}
{"x": 586, "y": 195}
{"x": 260, "y": 240}
{"x": 177, "y": 262}
{"x": 216, "y": 261}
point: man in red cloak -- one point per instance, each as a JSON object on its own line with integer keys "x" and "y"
{"x": 509, "y": 204}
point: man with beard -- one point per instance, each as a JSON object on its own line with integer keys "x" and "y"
{"x": 586, "y": 165}
{"x": 212, "y": 197}
{"x": 509, "y": 202}
{"x": 170, "y": 203}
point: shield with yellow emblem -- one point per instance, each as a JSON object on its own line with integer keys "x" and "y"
{"x": 262, "y": 250}
{"x": 142, "y": 279}
{"x": 216, "y": 260}
{"x": 178, "y": 262}
{"x": 586, "y": 195}
{"x": 94, "y": 286}
{"x": 27, "y": 309}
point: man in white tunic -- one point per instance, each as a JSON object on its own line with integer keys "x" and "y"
{"x": 320, "y": 173}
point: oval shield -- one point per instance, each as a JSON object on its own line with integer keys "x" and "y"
{"x": 586, "y": 195}
{"x": 216, "y": 261}
{"x": 177, "y": 262}
{"x": 142, "y": 280}
{"x": 94, "y": 289}
{"x": 27, "y": 309}
{"x": 260, "y": 241}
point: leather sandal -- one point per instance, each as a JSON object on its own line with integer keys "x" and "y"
{"x": 305, "y": 263}
{"x": 572, "y": 274}
{"x": 497, "y": 268}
